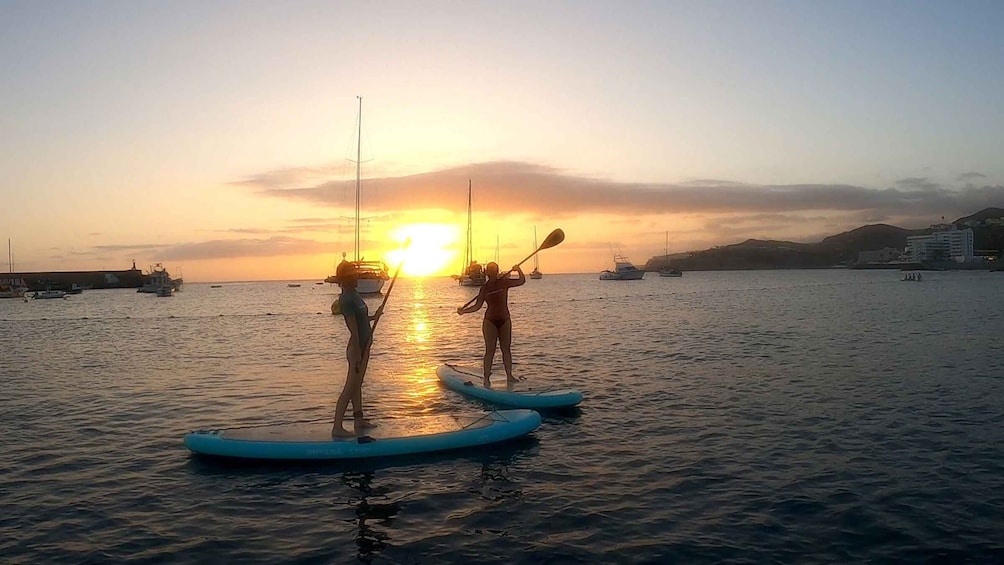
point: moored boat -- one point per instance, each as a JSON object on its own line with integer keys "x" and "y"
{"x": 624, "y": 270}
{"x": 472, "y": 273}
{"x": 535, "y": 273}
{"x": 372, "y": 274}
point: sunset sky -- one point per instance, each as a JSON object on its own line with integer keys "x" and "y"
{"x": 216, "y": 137}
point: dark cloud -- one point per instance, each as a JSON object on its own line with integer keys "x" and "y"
{"x": 508, "y": 187}
{"x": 966, "y": 177}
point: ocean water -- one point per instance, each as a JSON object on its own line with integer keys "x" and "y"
{"x": 729, "y": 417}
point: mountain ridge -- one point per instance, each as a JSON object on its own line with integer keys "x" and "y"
{"x": 841, "y": 249}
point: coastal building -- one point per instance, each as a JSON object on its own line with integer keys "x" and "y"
{"x": 65, "y": 280}
{"x": 949, "y": 245}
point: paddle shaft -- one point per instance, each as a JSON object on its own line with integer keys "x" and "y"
{"x": 397, "y": 272}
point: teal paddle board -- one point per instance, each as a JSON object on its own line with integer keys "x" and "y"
{"x": 402, "y": 436}
{"x": 469, "y": 382}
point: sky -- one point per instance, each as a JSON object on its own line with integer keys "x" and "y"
{"x": 220, "y": 137}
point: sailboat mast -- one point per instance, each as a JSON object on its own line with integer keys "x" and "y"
{"x": 10, "y": 257}
{"x": 469, "y": 256}
{"x": 535, "y": 265}
{"x": 359, "y": 145}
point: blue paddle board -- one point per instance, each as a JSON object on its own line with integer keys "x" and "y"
{"x": 403, "y": 436}
{"x": 468, "y": 382}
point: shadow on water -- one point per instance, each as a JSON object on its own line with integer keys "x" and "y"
{"x": 376, "y": 505}
{"x": 372, "y": 506}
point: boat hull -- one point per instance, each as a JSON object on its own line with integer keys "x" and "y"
{"x": 623, "y": 276}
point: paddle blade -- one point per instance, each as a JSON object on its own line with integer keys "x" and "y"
{"x": 553, "y": 238}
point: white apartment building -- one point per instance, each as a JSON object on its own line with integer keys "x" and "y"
{"x": 955, "y": 245}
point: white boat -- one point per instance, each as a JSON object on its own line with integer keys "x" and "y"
{"x": 49, "y": 294}
{"x": 535, "y": 273}
{"x": 624, "y": 270}
{"x": 472, "y": 273}
{"x": 372, "y": 274}
{"x": 666, "y": 270}
{"x": 158, "y": 278}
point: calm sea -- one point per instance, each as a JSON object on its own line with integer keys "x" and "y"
{"x": 729, "y": 417}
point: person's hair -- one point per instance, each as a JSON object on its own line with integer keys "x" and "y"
{"x": 345, "y": 269}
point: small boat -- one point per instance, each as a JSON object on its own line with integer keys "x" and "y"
{"x": 215, "y": 286}
{"x": 624, "y": 270}
{"x": 535, "y": 273}
{"x": 666, "y": 270}
{"x": 293, "y": 285}
{"x": 78, "y": 288}
{"x": 49, "y": 294}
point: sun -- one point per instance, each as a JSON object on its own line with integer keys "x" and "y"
{"x": 431, "y": 251}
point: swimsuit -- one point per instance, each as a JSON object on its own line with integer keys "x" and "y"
{"x": 497, "y": 298}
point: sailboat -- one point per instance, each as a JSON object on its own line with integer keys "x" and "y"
{"x": 666, "y": 271}
{"x": 535, "y": 273}
{"x": 471, "y": 272}
{"x": 372, "y": 274}
{"x": 11, "y": 287}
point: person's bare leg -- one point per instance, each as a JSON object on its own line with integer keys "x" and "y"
{"x": 490, "y": 332}
{"x": 505, "y": 342}
{"x": 357, "y": 400}
{"x": 352, "y": 385}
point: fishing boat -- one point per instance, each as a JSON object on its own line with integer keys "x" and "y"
{"x": 624, "y": 270}
{"x": 535, "y": 273}
{"x": 158, "y": 278}
{"x": 372, "y": 274}
{"x": 666, "y": 270}
{"x": 472, "y": 273}
{"x": 48, "y": 293}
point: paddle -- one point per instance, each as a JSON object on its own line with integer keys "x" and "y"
{"x": 552, "y": 239}
{"x": 407, "y": 244}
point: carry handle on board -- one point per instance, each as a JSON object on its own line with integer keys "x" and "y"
{"x": 552, "y": 239}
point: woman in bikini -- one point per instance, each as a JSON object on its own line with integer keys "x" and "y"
{"x": 497, "y": 325}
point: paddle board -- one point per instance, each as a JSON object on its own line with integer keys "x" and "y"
{"x": 403, "y": 436}
{"x": 469, "y": 383}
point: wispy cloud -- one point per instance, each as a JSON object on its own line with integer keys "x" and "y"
{"x": 508, "y": 187}
{"x": 228, "y": 249}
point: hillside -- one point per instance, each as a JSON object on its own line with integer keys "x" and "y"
{"x": 840, "y": 249}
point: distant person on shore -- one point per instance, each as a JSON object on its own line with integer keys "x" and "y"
{"x": 357, "y": 319}
{"x": 497, "y": 325}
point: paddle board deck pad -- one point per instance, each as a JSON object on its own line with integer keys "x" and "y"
{"x": 468, "y": 382}
{"x": 404, "y": 436}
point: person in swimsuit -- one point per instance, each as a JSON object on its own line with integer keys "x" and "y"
{"x": 352, "y": 307}
{"x": 497, "y": 325}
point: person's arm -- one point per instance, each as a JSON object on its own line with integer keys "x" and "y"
{"x": 520, "y": 280}
{"x": 477, "y": 304}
